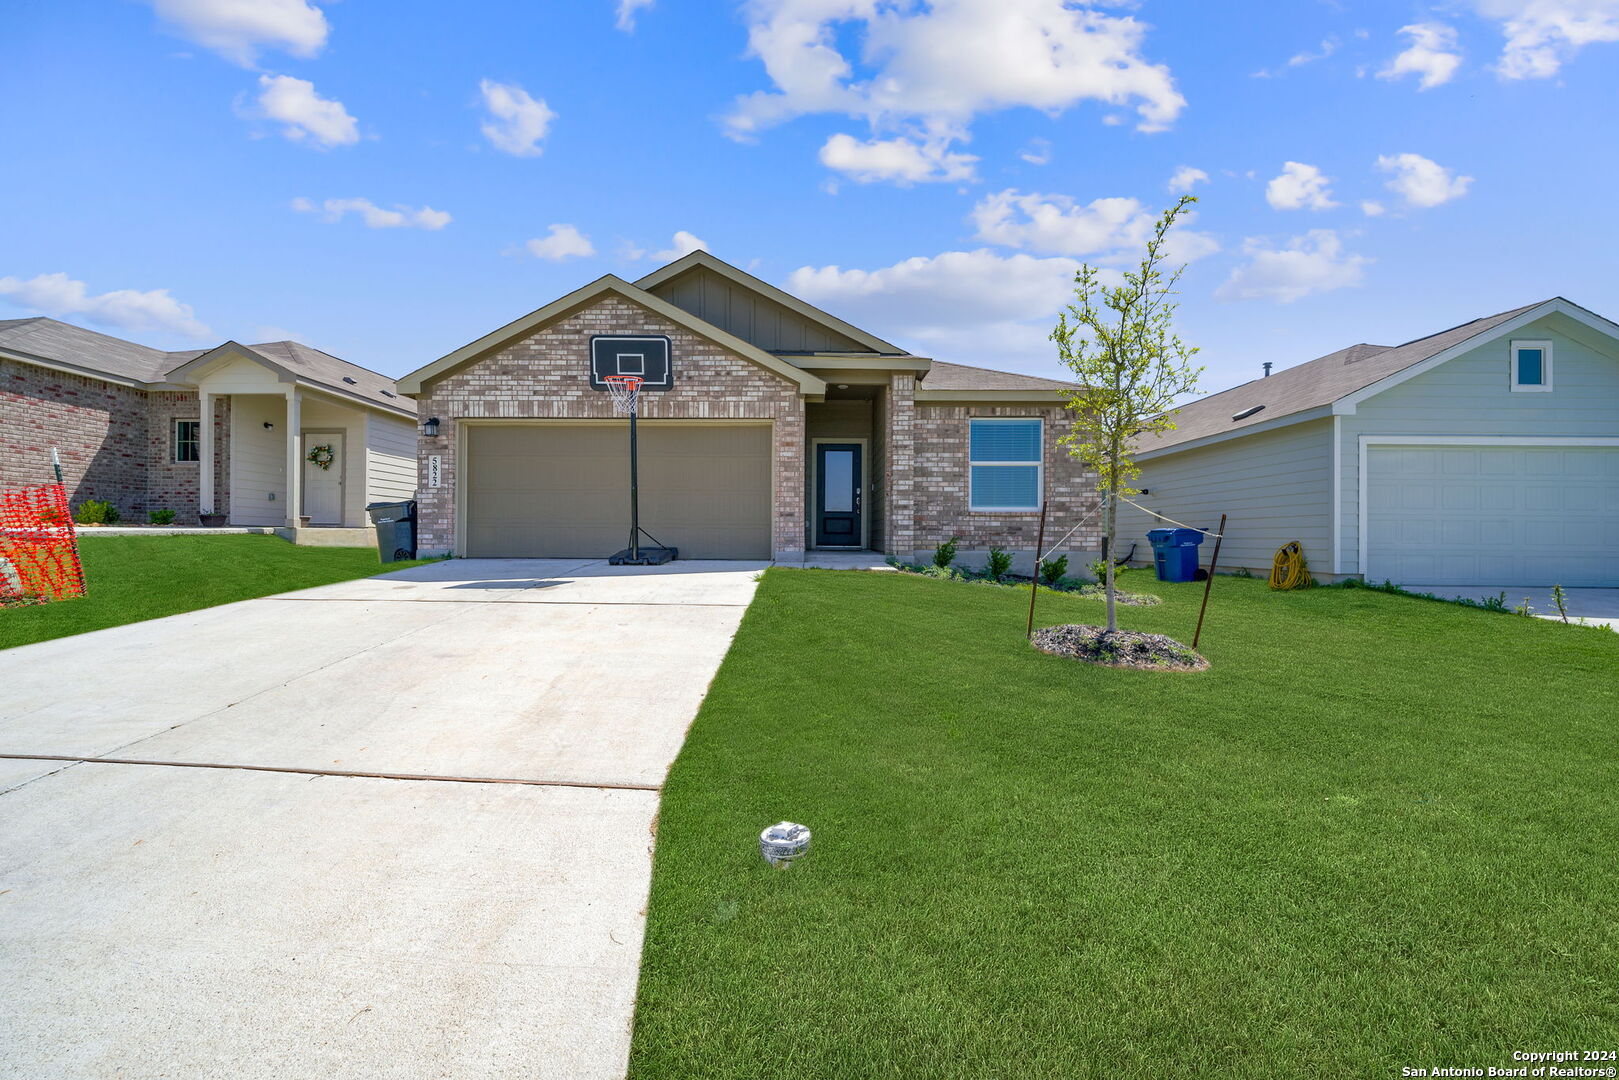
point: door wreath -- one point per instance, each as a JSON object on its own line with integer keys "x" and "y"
{"x": 322, "y": 456}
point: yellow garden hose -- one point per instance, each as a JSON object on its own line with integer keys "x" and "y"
{"x": 1288, "y": 569}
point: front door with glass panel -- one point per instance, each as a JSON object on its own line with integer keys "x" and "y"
{"x": 837, "y": 495}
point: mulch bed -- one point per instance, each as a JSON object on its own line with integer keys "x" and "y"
{"x": 1129, "y": 599}
{"x": 1121, "y": 648}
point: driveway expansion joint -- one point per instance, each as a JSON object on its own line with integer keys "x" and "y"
{"x": 347, "y": 773}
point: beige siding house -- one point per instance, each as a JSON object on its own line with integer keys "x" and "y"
{"x": 780, "y": 429}
{"x": 129, "y": 424}
{"x": 1487, "y": 454}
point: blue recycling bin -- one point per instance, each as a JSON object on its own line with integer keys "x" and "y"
{"x": 1174, "y": 553}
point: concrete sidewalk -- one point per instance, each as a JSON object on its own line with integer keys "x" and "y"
{"x": 161, "y": 919}
{"x": 1593, "y": 607}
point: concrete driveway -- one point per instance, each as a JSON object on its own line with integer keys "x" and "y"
{"x": 1595, "y": 607}
{"x": 291, "y": 916}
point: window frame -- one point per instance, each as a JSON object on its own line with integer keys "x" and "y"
{"x": 1544, "y": 386}
{"x": 1039, "y": 464}
{"x": 175, "y": 441}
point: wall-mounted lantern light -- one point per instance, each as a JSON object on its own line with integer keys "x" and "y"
{"x": 430, "y": 426}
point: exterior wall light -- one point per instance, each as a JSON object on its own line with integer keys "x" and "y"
{"x": 430, "y": 427}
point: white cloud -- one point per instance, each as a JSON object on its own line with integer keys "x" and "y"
{"x": 1328, "y": 47}
{"x": 121, "y": 309}
{"x": 976, "y": 307}
{"x": 928, "y": 70}
{"x": 1432, "y": 54}
{"x": 1186, "y": 178}
{"x": 1299, "y": 186}
{"x": 1372, "y": 208}
{"x": 682, "y": 244}
{"x": 627, "y": 10}
{"x": 561, "y": 242}
{"x": 1038, "y": 152}
{"x": 307, "y": 115}
{"x": 1310, "y": 264}
{"x": 374, "y": 216}
{"x": 904, "y": 161}
{"x": 516, "y": 121}
{"x": 237, "y": 29}
{"x": 1421, "y": 182}
{"x": 1114, "y": 229}
{"x": 1542, "y": 35}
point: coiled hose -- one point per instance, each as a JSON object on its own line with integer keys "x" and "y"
{"x": 1289, "y": 570}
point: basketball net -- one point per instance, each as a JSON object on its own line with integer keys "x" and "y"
{"x": 626, "y": 391}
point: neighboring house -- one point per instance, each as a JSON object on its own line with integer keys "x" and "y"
{"x": 779, "y": 428}
{"x": 1487, "y": 454}
{"x": 226, "y": 430}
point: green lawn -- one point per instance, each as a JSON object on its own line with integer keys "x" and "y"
{"x": 1379, "y": 832}
{"x": 132, "y": 578}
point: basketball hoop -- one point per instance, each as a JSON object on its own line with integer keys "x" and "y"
{"x": 626, "y": 390}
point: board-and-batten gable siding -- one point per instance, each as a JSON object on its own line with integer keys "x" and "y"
{"x": 258, "y": 460}
{"x": 1472, "y": 396}
{"x": 1274, "y": 487}
{"x": 755, "y": 319}
{"x": 390, "y": 446}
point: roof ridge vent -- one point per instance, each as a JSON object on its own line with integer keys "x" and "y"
{"x": 1246, "y": 413}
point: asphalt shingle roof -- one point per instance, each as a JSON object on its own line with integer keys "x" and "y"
{"x": 945, "y": 376}
{"x": 92, "y": 351}
{"x": 1313, "y": 384}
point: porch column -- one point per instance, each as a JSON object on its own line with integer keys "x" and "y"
{"x": 205, "y": 453}
{"x": 295, "y": 458}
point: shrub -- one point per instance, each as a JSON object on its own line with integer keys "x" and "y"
{"x": 97, "y": 512}
{"x": 1052, "y": 571}
{"x": 945, "y": 553}
{"x": 1098, "y": 569}
{"x": 161, "y": 517}
{"x": 999, "y": 564}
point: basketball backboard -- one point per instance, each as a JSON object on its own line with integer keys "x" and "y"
{"x": 646, "y": 356}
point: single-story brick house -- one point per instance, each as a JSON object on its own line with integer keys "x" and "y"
{"x": 227, "y": 430}
{"x": 779, "y": 428}
{"x": 1483, "y": 455}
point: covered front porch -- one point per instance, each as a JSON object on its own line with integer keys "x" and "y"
{"x": 294, "y": 457}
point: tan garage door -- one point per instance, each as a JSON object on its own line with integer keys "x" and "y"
{"x": 562, "y": 490}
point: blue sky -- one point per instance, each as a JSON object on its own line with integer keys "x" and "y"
{"x": 387, "y": 182}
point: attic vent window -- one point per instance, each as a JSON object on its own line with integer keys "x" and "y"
{"x": 1246, "y": 413}
{"x": 350, "y": 381}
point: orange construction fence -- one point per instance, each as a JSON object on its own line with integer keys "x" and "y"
{"x": 39, "y": 551}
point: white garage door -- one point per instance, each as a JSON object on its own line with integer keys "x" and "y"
{"x": 561, "y": 490}
{"x": 1493, "y": 515}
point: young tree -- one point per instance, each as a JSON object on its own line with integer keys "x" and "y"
{"x": 1120, "y": 342}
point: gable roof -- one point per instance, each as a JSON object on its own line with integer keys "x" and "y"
{"x": 608, "y": 283}
{"x": 758, "y": 285}
{"x": 296, "y": 362}
{"x": 50, "y": 341}
{"x": 1317, "y": 387}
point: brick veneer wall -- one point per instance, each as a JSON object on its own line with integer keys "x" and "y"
{"x": 174, "y": 485}
{"x": 114, "y": 441}
{"x": 941, "y": 483}
{"x": 899, "y": 474}
{"x": 546, "y": 375}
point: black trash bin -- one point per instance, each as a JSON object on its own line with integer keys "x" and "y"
{"x": 396, "y": 529}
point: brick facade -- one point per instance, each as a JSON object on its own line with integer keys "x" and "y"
{"x": 939, "y": 474}
{"x": 546, "y": 376}
{"x": 115, "y": 441}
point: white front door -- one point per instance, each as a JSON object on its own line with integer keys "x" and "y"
{"x": 323, "y": 488}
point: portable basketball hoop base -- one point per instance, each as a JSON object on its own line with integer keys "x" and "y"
{"x": 626, "y": 391}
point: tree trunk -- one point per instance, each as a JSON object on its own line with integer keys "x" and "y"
{"x": 1110, "y": 513}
